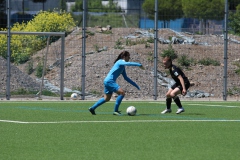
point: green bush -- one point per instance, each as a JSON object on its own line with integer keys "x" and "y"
{"x": 39, "y": 70}
{"x": 23, "y": 46}
{"x": 183, "y": 60}
{"x": 150, "y": 56}
{"x": 29, "y": 67}
{"x": 130, "y": 42}
{"x": 150, "y": 40}
{"x": 237, "y": 70}
{"x": 49, "y": 93}
{"x": 23, "y": 91}
{"x": 107, "y": 32}
{"x": 118, "y": 44}
{"x": 90, "y": 33}
{"x": 51, "y": 22}
{"x": 135, "y": 42}
{"x": 208, "y": 62}
{"x": 3, "y": 46}
{"x": 233, "y": 91}
{"x": 68, "y": 94}
{"x": 170, "y": 52}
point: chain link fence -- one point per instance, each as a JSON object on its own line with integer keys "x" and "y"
{"x": 199, "y": 45}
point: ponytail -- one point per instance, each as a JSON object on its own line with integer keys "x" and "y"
{"x": 121, "y": 55}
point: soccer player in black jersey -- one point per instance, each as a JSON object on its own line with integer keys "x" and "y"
{"x": 180, "y": 87}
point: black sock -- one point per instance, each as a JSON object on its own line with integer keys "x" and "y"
{"x": 177, "y": 101}
{"x": 168, "y": 102}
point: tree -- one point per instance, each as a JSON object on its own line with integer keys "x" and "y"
{"x": 40, "y": 1}
{"x": 167, "y": 9}
{"x": 204, "y": 10}
{"x": 63, "y": 5}
{"x": 96, "y": 6}
{"x": 112, "y": 6}
{"x": 78, "y": 6}
{"x": 233, "y": 4}
{"x": 234, "y": 19}
{"x": 3, "y": 15}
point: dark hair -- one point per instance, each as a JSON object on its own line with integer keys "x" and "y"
{"x": 121, "y": 55}
{"x": 167, "y": 58}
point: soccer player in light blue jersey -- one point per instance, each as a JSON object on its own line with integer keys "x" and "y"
{"x": 110, "y": 84}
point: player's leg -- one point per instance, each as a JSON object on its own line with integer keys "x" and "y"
{"x": 174, "y": 93}
{"x": 100, "y": 102}
{"x": 168, "y": 102}
{"x": 119, "y": 99}
{"x": 106, "y": 98}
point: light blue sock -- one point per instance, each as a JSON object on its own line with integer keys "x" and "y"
{"x": 118, "y": 102}
{"x": 98, "y": 103}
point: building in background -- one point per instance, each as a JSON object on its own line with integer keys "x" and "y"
{"x": 34, "y": 5}
{"x": 3, "y": 14}
{"x": 24, "y": 10}
{"x": 128, "y": 6}
{"x": 69, "y": 4}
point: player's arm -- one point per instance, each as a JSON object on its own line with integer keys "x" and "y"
{"x": 129, "y": 80}
{"x": 184, "y": 91}
{"x": 130, "y": 63}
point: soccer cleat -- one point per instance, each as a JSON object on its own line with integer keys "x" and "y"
{"x": 92, "y": 111}
{"x": 166, "y": 111}
{"x": 117, "y": 113}
{"x": 180, "y": 110}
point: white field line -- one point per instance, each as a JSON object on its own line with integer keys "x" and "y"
{"x": 212, "y": 105}
{"x": 130, "y": 121}
{"x": 82, "y": 102}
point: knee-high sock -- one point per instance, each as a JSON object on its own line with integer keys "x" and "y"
{"x": 177, "y": 101}
{"x": 168, "y": 103}
{"x": 118, "y": 102}
{"x": 98, "y": 103}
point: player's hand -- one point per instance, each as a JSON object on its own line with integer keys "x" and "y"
{"x": 184, "y": 92}
{"x": 137, "y": 87}
{"x": 142, "y": 67}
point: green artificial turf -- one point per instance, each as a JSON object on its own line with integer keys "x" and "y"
{"x": 65, "y": 130}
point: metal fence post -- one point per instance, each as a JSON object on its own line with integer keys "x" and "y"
{"x": 225, "y": 50}
{"x": 62, "y": 66}
{"x": 155, "y": 49}
{"x": 8, "y": 52}
{"x": 83, "y": 48}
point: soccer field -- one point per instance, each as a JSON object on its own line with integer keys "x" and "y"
{"x": 65, "y": 130}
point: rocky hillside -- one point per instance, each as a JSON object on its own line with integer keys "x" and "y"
{"x": 18, "y": 79}
{"x": 101, "y": 52}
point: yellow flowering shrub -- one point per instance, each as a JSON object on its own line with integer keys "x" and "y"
{"x": 23, "y": 46}
{"x": 3, "y": 45}
{"x": 51, "y": 22}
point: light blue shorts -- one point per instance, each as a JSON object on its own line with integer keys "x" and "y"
{"x": 110, "y": 87}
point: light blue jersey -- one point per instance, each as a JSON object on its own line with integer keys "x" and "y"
{"x": 111, "y": 86}
{"x": 118, "y": 69}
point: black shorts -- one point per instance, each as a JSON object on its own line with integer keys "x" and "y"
{"x": 178, "y": 85}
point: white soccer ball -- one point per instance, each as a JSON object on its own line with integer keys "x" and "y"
{"x": 131, "y": 111}
{"x": 74, "y": 96}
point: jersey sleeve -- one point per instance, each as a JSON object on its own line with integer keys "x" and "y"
{"x": 129, "y": 63}
{"x": 129, "y": 80}
{"x": 176, "y": 72}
